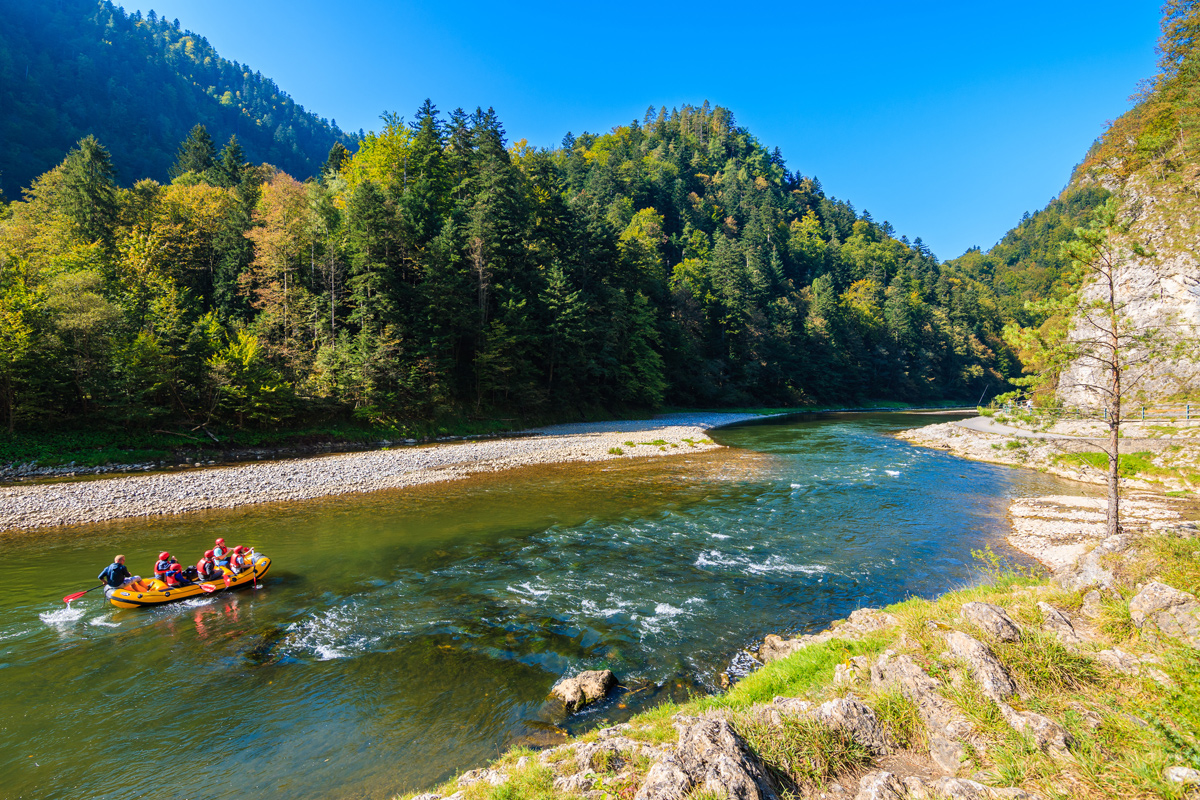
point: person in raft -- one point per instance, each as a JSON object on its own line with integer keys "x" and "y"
{"x": 206, "y": 567}
{"x": 175, "y": 576}
{"x": 221, "y": 553}
{"x": 163, "y": 565}
{"x": 116, "y": 575}
{"x": 237, "y": 560}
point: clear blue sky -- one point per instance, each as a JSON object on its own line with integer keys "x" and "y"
{"x": 948, "y": 119}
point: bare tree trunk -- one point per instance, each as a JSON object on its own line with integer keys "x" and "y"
{"x": 1113, "y": 520}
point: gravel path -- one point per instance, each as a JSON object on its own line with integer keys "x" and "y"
{"x": 36, "y": 506}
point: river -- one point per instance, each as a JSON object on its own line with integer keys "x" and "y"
{"x": 402, "y": 636}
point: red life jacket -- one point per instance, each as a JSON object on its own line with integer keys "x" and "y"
{"x": 173, "y": 579}
{"x": 205, "y": 566}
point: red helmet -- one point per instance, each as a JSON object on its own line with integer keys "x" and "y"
{"x": 176, "y": 568}
{"x": 164, "y": 555}
{"x": 219, "y": 541}
{"x": 208, "y": 553}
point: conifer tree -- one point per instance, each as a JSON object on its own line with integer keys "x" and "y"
{"x": 197, "y": 153}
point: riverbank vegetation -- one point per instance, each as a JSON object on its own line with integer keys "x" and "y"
{"x": 1123, "y": 692}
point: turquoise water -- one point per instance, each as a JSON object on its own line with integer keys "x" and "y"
{"x": 403, "y": 636}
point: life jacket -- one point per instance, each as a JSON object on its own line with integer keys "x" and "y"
{"x": 220, "y": 552}
{"x": 175, "y": 579}
{"x": 206, "y": 567}
{"x": 161, "y": 568}
{"x": 237, "y": 561}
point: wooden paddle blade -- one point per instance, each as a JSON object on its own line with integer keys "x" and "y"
{"x": 75, "y": 596}
{"x": 207, "y": 588}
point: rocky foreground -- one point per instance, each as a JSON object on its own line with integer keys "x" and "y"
{"x": 69, "y": 503}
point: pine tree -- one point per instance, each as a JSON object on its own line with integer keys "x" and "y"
{"x": 196, "y": 154}
{"x": 89, "y": 192}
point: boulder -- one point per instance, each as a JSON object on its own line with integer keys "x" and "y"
{"x": 710, "y": 757}
{"x": 1058, "y": 623}
{"x": 959, "y": 789}
{"x": 1170, "y": 611}
{"x": 1091, "y": 604}
{"x": 860, "y": 622}
{"x": 666, "y": 780}
{"x": 775, "y": 647}
{"x": 1118, "y": 660}
{"x": 489, "y": 776}
{"x": 584, "y": 688}
{"x": 1184, "y": 775}
{"x": 947, "y": 754}
{"x": 993, "y": 619}
{"x": 989, "y": 673}
{"x": 574, "y": 784}
{"x": 880, "y": 785}
{"x": 1049, "y": 736}
{"x": 857, "y": 720}
{"x": 941, "y": 717}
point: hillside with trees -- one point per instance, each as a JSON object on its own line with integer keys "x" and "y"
{"x": 440, "y": 271}
{"x": 74, "y": 68}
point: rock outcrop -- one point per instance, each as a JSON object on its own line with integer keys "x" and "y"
{"x": 1162, "y": 608}
{"x": 860, "y": 623}
{"x": 993, "y": 619}
{"x": 987, "y": 670}
{"x": 710, "y": 757}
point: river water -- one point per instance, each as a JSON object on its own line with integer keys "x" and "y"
{"x": 402, "y": 636}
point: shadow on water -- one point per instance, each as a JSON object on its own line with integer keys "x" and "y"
{"x": 404, "y": 635}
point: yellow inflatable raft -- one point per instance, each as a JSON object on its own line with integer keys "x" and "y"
{"x": 153, "y": 592}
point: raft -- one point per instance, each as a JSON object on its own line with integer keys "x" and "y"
{"x": 152, "y": 592}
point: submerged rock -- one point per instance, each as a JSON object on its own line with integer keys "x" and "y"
{"x": 1170, "y": 611}
{"x": 584, "y": 688}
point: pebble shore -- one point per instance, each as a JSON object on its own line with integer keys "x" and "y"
{"x": 73, "y": 503}
{"x": 1058, "y": 531}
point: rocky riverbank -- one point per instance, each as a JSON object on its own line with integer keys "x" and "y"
{"x": 69, "y": 503}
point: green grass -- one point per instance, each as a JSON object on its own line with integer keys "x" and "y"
{"x": 616, "y": 451}
{"x": 1129, "y": 465}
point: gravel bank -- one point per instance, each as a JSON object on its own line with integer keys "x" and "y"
{"x": 26, "y": 507}
{"x": 1058, "y": 531}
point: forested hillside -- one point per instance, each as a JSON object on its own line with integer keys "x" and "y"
{"x": 441, "y": 271}
{"x": 70, "y": 68}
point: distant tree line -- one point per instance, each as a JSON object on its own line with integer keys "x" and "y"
{"x": 70, "y": 68}
{"x": 439, "y": 270}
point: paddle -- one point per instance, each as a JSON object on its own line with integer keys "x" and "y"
{"x": 207, "y": 588}
{"x": 228, "y": 580}
{"x": 78, "y": 595}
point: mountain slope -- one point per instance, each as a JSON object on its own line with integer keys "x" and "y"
{"x": 139, "y": 84}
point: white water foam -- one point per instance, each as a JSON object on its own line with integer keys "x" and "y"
{"x": 895, "y": 473}
{"x": 62, "y": 617}
{"x": 330, "y": 634}
{"x": 778, "y": 564}
{"x": 103, "y": 622}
